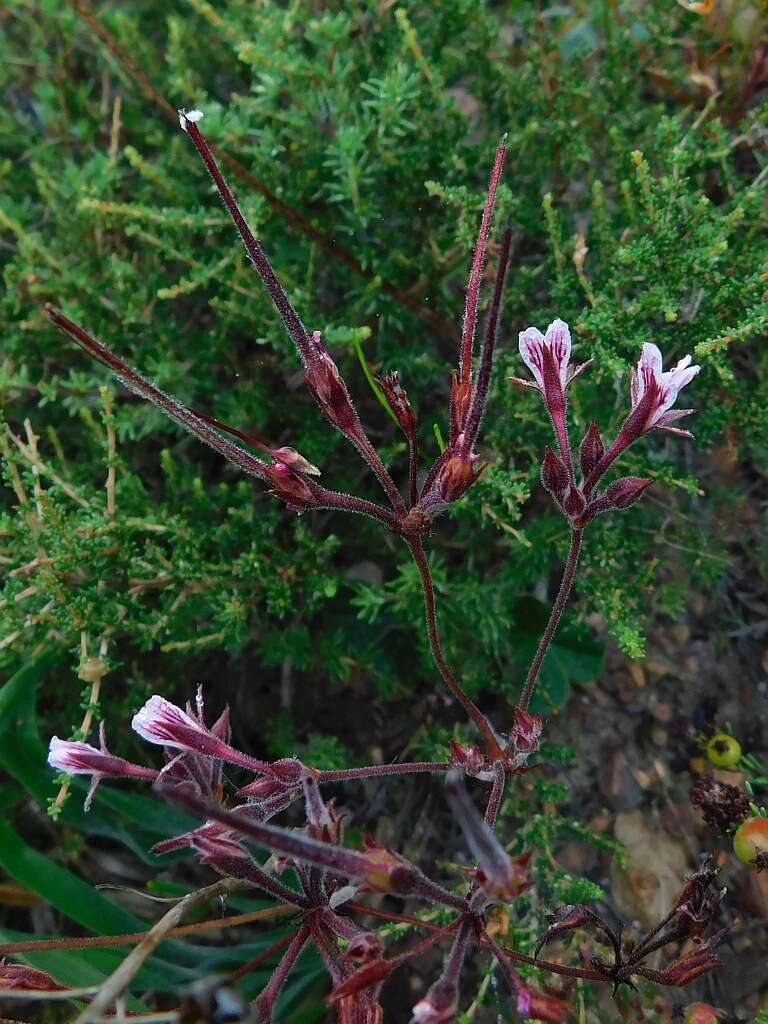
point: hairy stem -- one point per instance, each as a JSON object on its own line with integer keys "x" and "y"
{"x": 480, "y": 397}
{"x": 554, "y": 619}
{"x": 493, "y": 747}
{"x": 496, "y": 795}
{"x": 413, "y": 467}
{"x": 266, "y": 1001}
{"x": 476, "y": 273}
{"x": 372, "y": 457}
{"x": 374, "y": 770}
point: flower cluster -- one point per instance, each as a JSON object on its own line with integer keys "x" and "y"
{"x": 652, "y": 394}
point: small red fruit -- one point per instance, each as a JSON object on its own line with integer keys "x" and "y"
{"x": 701, "y": 1013}
{"x": 750, "y": 844}
{"x": 723, "y": 750}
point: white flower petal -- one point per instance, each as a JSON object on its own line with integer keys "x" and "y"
{"x": 558, "y": 338}
{"x": 531, "y": 344}
{"x": 153, "y": 721}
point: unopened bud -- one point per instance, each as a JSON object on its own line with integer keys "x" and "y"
{"x": 328, "y": 388}
{"x": 439, "y": 1005}
{"x": 20, "y": 976}
{"x": 397, "y": 397}
{"x": 592, "y": 450}
{"x": 294, "y": 491}
{"x": 574, "y": 502}
{"x": 554, "y": 475}
{"x": 626, "y": 492}
{"x": 387, "y": 871}
{"x": 526, "y": 732}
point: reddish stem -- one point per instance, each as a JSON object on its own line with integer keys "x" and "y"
{"x": 375, "y": 770}
{"x": 266, "y": 1001}
{"x": 476, "y": 272}
{"x": 413, "y": 467}
{"x": 554, "y": 618}
{"x": 261, "y": 958}
{"x": 480, "y": 396}
{"x": 256, "y": 254}
{"x": 349, "y": 503}
{"x": 493, "y": 747}
{"x": 496, "y": 794}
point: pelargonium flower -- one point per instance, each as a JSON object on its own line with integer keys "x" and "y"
{"x": 164, "y": 723}
{"x": 542, "y": 352}
{"x": 77, "y": 758}
{"x": 657, "y": 390}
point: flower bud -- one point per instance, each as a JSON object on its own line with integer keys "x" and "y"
{"x": 525, "y": 736}
{"x": 592, "y": 450}
{"x": 328, "y": 388}
{"x": 627, "y": 491}
{"x": 554, "y": 475}
{"x": 387, "y": 871}
{"x": 439, "y": 1005}
{"x": 619, "y": 495}
{"x": 293, "y": 489}
{"x": 468, "y": 758}
{"x": 20, "y": 976}
{"x": 691, "y": 966}
{"x": 456, "y": 477}
{"x": 397, "y": 397}
{"x": 574, "y": 502}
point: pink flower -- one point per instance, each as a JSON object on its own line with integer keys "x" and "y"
{"x": 78, "y": 758}
{"x": 164, "y": 723}
{"x": 656, "y": 391}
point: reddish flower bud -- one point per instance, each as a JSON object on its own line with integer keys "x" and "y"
{"x": 574, "y": 502}
{"x": 397, "y": 397}
{"x": 626, "y": 492}
{"x": 592, "y": 450}
{"x": 387, "y": 871}
{"x": 294, "y": 460}
{"x": 525, "y": 736}
{"x": 468, "y": 758}
{"x": 288, "y": 485}
{"x": 328, "y": 388}
{"x": 20, "y": 976}
{"x": 438, "y": 1006}
{"x": 456, "y": 477}
{"x": 691, "y": 966}
{"x": 619, "y": 495}
{"x": 554, "y": 475}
